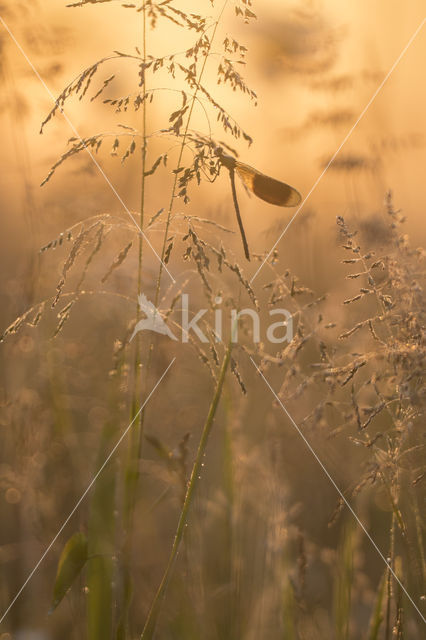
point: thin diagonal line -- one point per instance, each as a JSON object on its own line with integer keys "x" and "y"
{"x": 339, "y": 491}
{"x": 345, "y": 139}
{"x": 98, "y": 166}
{"x": 78, "y": 503}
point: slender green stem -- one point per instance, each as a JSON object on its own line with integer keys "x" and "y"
{"x": 389, "y": 578}
{"x": 142, "y": 198}
{"x": 175, "y": 182}
{"x": 137, "y": 384}
{"x": 132, "y": 481}
{"x": 377, "y": 615}
{"x": 182, "y": 149}
{"x": 132, "y": 470}
{"x": 192, "y": 485}
{"x": 131, "y": 475}
{"x": 419, "y": 535}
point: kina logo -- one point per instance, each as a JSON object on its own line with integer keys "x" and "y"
{"x": 153, "y": 321}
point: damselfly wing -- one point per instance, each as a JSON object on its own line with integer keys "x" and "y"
{"x": 266, "y": 188}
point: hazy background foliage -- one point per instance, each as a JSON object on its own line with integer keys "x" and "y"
{"x": 264, "y": 507}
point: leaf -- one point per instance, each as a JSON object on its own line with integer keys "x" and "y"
{"x": 72, "y": 560}
{"x": 377, "y": 615}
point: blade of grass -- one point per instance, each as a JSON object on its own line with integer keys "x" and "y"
{"x": 131, "y": 473}
{"x": 389, "y": 584}
{"x": 133, "y": 476}
{"x": 343, "y": 584}
{"x": 289, "y": 612}
{"x": 377, "y": 616}
{"x": 101, "y": 545}
{"x": 154, "y": 611}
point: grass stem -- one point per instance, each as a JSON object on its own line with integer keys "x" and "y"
{"x": 192, "y": 485}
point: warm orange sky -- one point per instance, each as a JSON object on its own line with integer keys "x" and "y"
{"x": 314, "y": 66}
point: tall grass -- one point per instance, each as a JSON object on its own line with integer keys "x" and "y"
{"x": 108, "y": 609}
{"x": 230, "y": 549}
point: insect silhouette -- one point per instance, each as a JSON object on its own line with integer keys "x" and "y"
{"x": 264, "y": 187}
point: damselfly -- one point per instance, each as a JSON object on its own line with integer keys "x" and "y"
{"x": 264, "y": 187}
